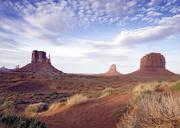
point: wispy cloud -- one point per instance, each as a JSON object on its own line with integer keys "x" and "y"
{"x": 165, "y": 28}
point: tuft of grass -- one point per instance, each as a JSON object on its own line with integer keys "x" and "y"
{"x": 76, "y": 99}
{"x": 107, "y": 92}
{"x": 176, "y": 86}
{"x": 147, "y": 88}
{"x": 8, "y": 107}
{"x": 153, "y": 111}
{"x": 36, "y": 108}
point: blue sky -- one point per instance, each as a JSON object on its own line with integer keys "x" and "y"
{"x": 87, "y": 36}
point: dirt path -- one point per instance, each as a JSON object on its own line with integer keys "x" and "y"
{"x": 93, "y": 114}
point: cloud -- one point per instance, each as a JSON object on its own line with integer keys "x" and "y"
{"x": 106, "y": 57}
{"x": 50, "y": 20}
{"x": 167, "y": 27}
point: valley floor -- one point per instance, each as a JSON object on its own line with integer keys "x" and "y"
{"x": 96, "y": 113}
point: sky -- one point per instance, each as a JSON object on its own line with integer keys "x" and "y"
{"x": 87, "y": 36}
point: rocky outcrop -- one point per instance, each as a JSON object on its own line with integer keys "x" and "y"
{"x": 153, "y": 64}
{"x": 40, "y": 64}
{"x": 39, "y": 57}
{"x": 112, "y": 71}
{"x": 4, "y": 69}
{"x": 153, "y": 61}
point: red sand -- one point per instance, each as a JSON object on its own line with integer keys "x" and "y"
{"x": 96, "y": 113}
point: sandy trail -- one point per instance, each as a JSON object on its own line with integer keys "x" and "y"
{"x": 97, "y": 113}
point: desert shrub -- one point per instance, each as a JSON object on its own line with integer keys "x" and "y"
{"x": 153, "y": 111}
{"x": 36, "y": 108}
{"x": 145, "y": 87}
{"x": 8, "y": 107}
{"x": 107, "y": 91}
{"x": 148, "y": 88}
{"x": 54, "y": 94}
{"x": 128, "y": 119}
{"x": 160, "y": 111}
{"x": 55, "y": 105}
{"x": 12, "y": 121}
{"x": 176, "y": 86}
{"x": 76, "y": 99}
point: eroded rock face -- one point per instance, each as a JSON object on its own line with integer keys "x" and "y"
{"x": 153, "y": 61}
{"x": 153, "y": 65}
{"x": 112, "y": 71}
{"x": 40, "y": 64}
{"x": 112, "y": 68}
{"x": 39, "y": 57}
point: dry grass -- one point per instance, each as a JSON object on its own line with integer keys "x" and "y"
{"x": 8, "y": 107}
{"x": 36, "y": 108}
{"x": 55, "y": 106}
{"x": 147, "y": 88}
{"x": 161, "y": 111}
{"x": 153, "y": 111}
{"x": 76, "y": 99}
{"x": 107, "y": 92}
{"x": 175, "y": 86}
{"x": 153, "y": 86}
{"x": 127, "y": 121}
{"x": 53, "y": 109}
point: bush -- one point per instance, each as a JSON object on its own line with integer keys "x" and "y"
{"x": 153, "y": 111}
{"x": 8, "y": 107}
{"x": 148, "y": 88}
{"x": 160, "y": 111}
{"x": 36, "y": 108}
{"x": 76, "y": 99}
{"x": 9, "y": 121}
{"x": 128, "y": 120}
{"x": 107, "y": 91}
{"x": 176, "y": 86}
{"x": 145, "y": 87}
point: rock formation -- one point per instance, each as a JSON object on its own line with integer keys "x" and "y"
{"x": 39, "y": 57}
{"x": 153, "y": 61}
{"x": 153, "y": 64}
{"x": 4, "y": 69}
{"x": 112, "y": 71}
{"x": 40, "y": 64}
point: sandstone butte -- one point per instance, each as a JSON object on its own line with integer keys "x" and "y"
{"x": 153, "y": 63}
{"x": 112, "y": 71}
{"x": 40, "y": 64}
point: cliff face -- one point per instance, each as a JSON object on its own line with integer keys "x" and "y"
{"x": 39, "y": 57}
{"x": 153, "y": 61}
{"x": 153, "y": 64}
{"x": 40, "y": 64}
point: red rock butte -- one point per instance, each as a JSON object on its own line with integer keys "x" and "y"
{"x": 112, "y": 71}
{"x": 40, "y": 57}
{"x": 153, "y": 63}
{"x": 40, "y": 64}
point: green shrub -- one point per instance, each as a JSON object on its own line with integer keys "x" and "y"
{"x": 12, "y": 121}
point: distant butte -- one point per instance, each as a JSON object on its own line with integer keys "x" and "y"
{"x": 40, "y": 64}
{"x": 153, "y": 64}
{"x": 112, "y": 71}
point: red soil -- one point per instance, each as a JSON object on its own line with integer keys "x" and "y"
{"x": 97, "y": 113}
{"x": 30, "y": 87}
